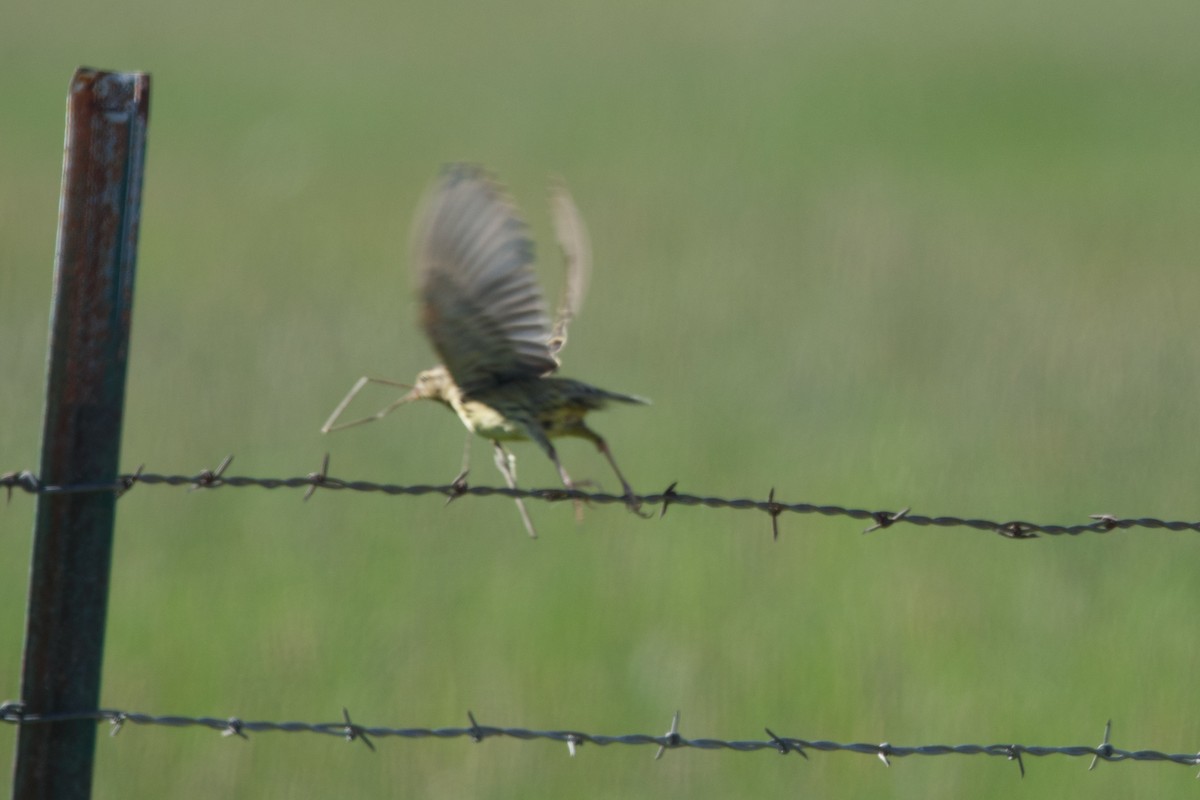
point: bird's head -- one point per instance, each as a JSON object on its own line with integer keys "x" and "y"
{"x": 433, "y": 384}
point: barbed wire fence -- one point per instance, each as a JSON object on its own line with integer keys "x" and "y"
{"x": 30, "y": 483}
{"x": 350, "y": 731}
{"x": 216, "y": 478}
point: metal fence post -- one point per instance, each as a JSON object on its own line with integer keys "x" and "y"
{"x": 99, "y": 215}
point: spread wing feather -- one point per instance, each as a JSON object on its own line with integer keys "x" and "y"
{"x": 576, "y": 249}
{"x": 480, "y": 303}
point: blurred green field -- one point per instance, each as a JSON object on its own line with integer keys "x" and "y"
{"x": 936, "y": 255}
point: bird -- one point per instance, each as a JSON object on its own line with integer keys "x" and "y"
{"x": 482, "y": 310}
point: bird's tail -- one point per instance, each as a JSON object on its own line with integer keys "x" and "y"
{"x": 625, "y": 398}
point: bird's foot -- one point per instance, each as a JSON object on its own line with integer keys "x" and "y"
{"x": 458, "y": 487}
{"x": 633, "y": 503}
{"x": 579, "y": 502}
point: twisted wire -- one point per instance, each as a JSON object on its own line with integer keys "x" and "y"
{"x": 14, "y": 713}
{"x": 215, "y": 479}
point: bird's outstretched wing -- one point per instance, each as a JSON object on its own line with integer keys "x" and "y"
{"x": 576, "y": 249}
{"x": 480, "y": 302}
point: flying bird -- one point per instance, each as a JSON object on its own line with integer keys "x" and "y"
{"x": 482, "y": 310}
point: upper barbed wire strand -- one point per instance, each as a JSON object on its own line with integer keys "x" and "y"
{"x": 214, "y": 479}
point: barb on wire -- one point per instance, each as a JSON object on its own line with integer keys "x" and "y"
{"x": 774, "y": 509}
{"x": 671, "y": 738}
{"x": 785, "y": 746}
{"x": 236, "y": 727}
{"x": 1014, "y": 754}
{"x": 318, "y": 478}
{"x": 1104, "y": 745}
{"x": 475, "y": 732}
{"x": 880, "y": 520}
{"x": 210, "y": 478}
{"x": 351, "y": 731}
{"x": 883, "y": 519}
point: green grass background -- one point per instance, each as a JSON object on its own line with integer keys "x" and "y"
{"x": 927, "y": 254}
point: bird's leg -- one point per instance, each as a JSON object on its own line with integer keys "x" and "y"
{"x": 630, "y": 498}
{"x": 461, "y": 480}
{"x": 459, "y": 484}
{"x": 535, "y": 433}
{"x": 507, "y": 464}
{"x": 566, "y": 479}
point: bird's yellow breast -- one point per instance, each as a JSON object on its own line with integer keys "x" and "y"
{"x": 486, "y": 421}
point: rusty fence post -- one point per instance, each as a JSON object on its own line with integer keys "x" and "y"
{"x": 99, "y": 215}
